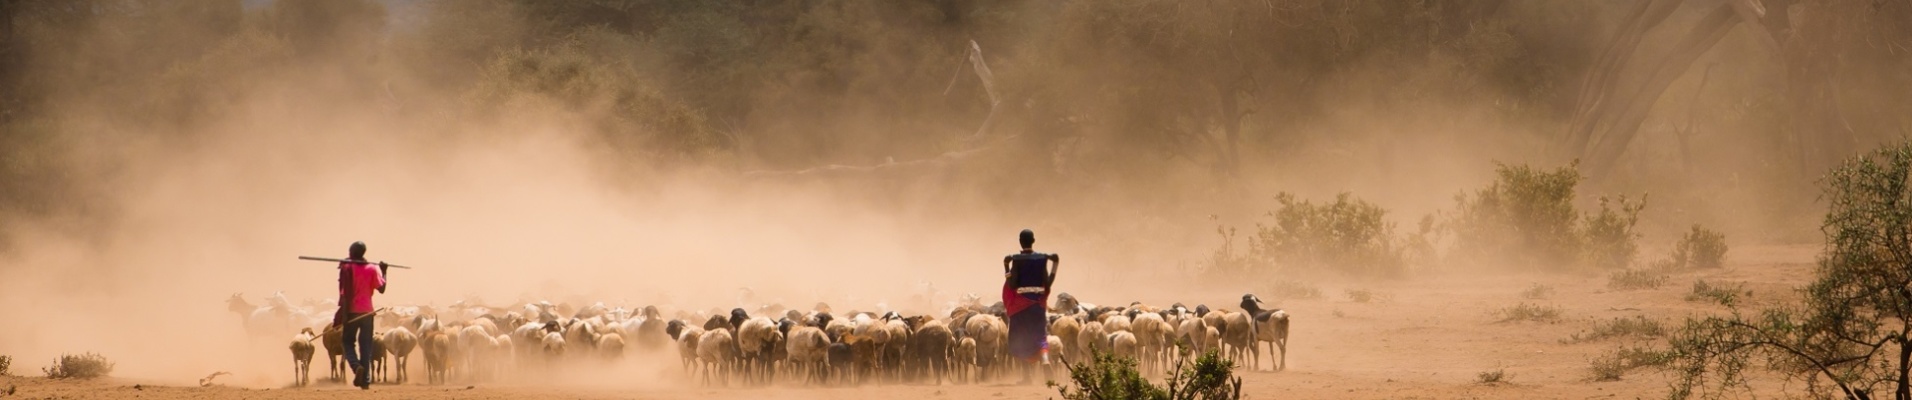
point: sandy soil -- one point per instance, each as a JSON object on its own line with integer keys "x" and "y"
{"x": 1428, "y": 337}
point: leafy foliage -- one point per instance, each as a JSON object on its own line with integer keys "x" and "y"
{"x": 1848, "y": 337}
{"x": 83, "y": 366}
{"x": 1109, "y": 377}
{"x": 1348, "y": 236}
{"x": 1700, "y": 248}
{"x": 1527, "y": 218}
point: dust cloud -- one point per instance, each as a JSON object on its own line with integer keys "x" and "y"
{"x": 511, "y": 158}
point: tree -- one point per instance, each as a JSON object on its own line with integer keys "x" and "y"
{"x": 1850, "y": 334}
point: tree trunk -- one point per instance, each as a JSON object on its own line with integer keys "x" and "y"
{"x": 1904, "y": 391}
{"x": 1231, "y": 130}
{"x": 1598, "y": 88}
{"x": 1615, "y": 127}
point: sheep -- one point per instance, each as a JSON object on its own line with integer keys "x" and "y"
{"x": 929, "y": 348}
{"x": 963, "y": 359}
{"x": 437, "y": 351}
{"x": 1117, "y": 322}
{"x": 334, "y": 352}
{"x": 808, "y": 351}
{"x": 1238, "y": 333}
{"x": 991, "y": 336}
{"x": 1092, "y": 339}
{"x": 687, "y": 340}
{"x": 553, "y": 347}
{"x": 841, "y": 357}
{"x": 302, "y": 357}
{"x": 611, "y": 346}
{"x": 1123, "y": 344}
{"x": 1194, "y": 332}
{"x": 1070, "y": 330}
{"x": 501, "y": 348}
{"x": 1212, "y": 339}
{"x": 400, "y": 342}
{"x": 1270, "y": 326}
{"x": 376, "y": 366}
{"x": 757, "y": 339}
{"x": 718, "y": 350}
{"x": 473, "y": 356}
{"x": 1152, "y": 333}
{"x": 894, "y": 349}
{"x": 1053, "y": 351}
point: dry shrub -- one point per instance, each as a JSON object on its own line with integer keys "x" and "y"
{"x": 1725, "y": 294}
{"x": 1615, "y": 364}
{"x": 1537, "y": 292}
{"x": 1529, "y": 312}
{"x": 1289, "y": 289}
{"x": 6, "y": 365}
{"x": 1636, "y": 327}
{"x": 1636, "y": 279}
{"x": 83, "y": 366}
{"x": 1495, "y": 376}
{"x": 1360, "y": 295}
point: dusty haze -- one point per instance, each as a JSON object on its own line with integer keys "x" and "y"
{"x": 173, "y": 155}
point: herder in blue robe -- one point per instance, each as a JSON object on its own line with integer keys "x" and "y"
{"x": 1027, "y": 277}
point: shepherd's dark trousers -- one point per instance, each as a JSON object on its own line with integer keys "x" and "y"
{"x": 358, "y": 347}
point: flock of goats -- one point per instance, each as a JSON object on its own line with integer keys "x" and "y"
{"x": 965, "y": 343}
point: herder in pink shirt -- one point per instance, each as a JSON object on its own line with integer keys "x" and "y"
{"x": 357, "y": 280}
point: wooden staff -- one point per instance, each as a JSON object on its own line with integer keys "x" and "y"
{"x": 336, "y": 260}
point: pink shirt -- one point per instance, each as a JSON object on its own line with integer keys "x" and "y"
{"x": 365, "y": 280}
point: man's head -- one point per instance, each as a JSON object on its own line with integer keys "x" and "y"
{"x": 357, "y": 250}
{"x": 1028, "y": 238}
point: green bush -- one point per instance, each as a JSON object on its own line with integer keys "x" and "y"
{"x": 1636, "y": 279}
{"x": 1348, "y": 236}
{"x": 1845, "y": 337}
{"x": 6, "y": 365}
{"x": 1608, "y": 239}
{"x": 1636, "y": 326}
{"x": 1700, "y": 248}
{"x": 1109, "y": 377}
{"x": 84, "y": 366}
{"x": 1527, "y": 218}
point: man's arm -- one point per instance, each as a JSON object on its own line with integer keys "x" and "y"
{"x": 1055, "y": 265}
{"x": 382, "y": 280}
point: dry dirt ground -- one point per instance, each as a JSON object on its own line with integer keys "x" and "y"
{"x": 1428, "y": 337}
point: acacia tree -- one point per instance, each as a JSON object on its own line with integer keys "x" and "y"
{"x": 1849, "y": 334}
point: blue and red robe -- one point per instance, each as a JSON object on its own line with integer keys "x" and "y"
{"x": 1025, "y": 297}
